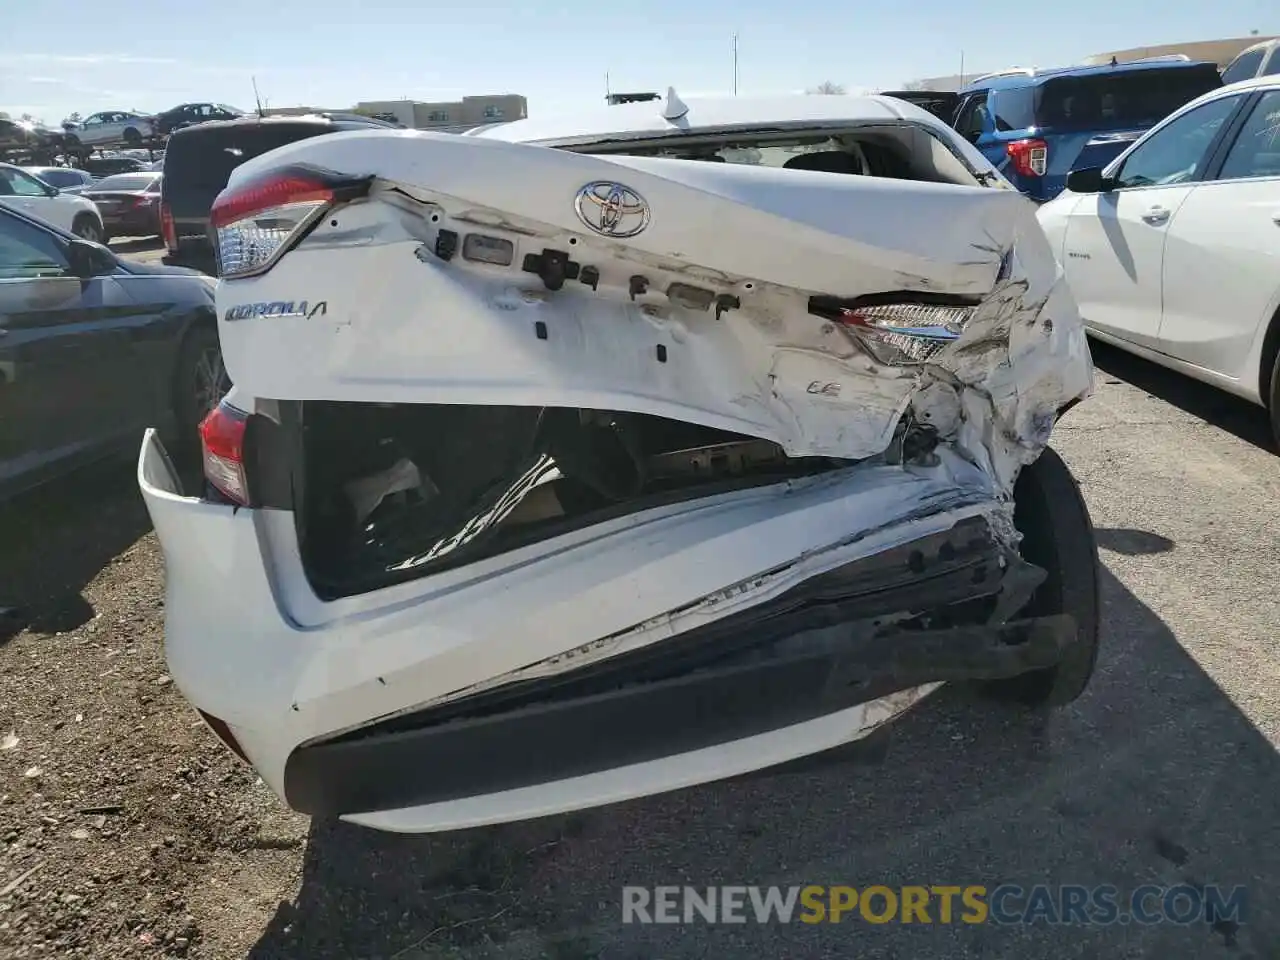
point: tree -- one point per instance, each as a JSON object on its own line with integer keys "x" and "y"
{"x": 828, "y": 88}
{"x": 914, "y": 85}
{"x": 74, "y": 118}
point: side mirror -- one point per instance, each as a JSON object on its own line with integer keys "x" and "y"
{"x": 1089, "y": 180}
{"x": 52, "y": 191}
{"x": 90, "y": 259}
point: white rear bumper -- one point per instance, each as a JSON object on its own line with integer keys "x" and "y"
{"x": 244, "y": 647}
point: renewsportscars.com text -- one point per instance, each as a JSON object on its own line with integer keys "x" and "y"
{"x": 945, "y": 904}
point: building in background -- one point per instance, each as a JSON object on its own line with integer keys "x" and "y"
{"x": 447, "y": 115}
{"x": 1221, "y": 52}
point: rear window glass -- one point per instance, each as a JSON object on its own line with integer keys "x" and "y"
{"x": 1137, "y": 98}
{"x": 59, "y": 178}
{"x": 205, "y": 156}
{"x": 1014, "y": 109}
{"x": 124, "y": 182}
{"x": 1243, "y": 67}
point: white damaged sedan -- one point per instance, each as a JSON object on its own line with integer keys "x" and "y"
{"x": 569, "y": 463}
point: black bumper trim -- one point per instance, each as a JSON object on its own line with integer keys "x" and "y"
{"x": 568, "y": 738}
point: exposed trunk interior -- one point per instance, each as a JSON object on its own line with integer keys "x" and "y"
{"x": 390, "y": 492}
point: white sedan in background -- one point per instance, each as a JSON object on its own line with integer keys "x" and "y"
{"x": 1173, "y": 250}
{"x": 111, "y": 126}
{"x": 26, "y": 194}
{"x": 66, "y": 179}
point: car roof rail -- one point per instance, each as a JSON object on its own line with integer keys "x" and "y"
{"x": 1011, "y": 72}
{"x": 1164, "y": 58}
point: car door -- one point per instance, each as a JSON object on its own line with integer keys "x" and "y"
{"x": 1220, "y": 276}
{"x": 1114, "y": 242}
{"x": 26, "y": 194}
{"x": 94, "y": 129}
{"x": 57, "y": 373}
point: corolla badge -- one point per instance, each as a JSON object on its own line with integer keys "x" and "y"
{"x": 277, "y": 308}
{"x": 612, "y": 209}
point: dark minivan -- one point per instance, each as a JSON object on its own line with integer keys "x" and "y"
{"x": 199, "y": 160}
{"x": 1036, "y": 126}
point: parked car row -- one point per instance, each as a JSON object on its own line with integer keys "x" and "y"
{"x": 125, "y": 204}
{"x": 25, "y": 140}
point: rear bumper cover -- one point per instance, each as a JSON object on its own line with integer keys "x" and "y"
{"x": 565, "y": 739}
{"x": 823, "y": 647}
{"x": 660, "y": 651}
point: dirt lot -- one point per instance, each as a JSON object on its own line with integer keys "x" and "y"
{"x": 126, "y": 830}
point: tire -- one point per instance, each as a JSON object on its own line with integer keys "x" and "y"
{"x": 1273, "y": 400}
{"x": 200, "y": 381}
{"x": 132, "y": 136}
{"x": 1057, "y": 535}
{"x": 87, "y": 228}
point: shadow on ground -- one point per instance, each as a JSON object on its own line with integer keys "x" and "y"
{"x": 1225, "y": 411}
{"x": 1131, "y": 542}
{"x": 1154, "y": 777}
{"x": 127, "y": 245}
{"x": 57, "y": 538}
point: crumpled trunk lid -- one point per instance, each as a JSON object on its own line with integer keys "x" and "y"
{"x": 704, "y": 314}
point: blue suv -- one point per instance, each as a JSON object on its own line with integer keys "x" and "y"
{"x": 1036, "y": 126}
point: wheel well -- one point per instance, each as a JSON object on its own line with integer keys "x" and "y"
{"x": 203, "y": 321}
{"x": 1270, "y": 347}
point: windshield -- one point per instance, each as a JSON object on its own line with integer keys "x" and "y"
{"x": 1136, "y": 99}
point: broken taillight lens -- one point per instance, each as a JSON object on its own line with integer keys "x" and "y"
{"x": 222, "y": 452}
{"x": 258, "y": 221}
{"x": 902, "y": 334}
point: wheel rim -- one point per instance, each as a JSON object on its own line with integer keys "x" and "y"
{"x": 210, "y": 382}
{"x": 88, "y": 231}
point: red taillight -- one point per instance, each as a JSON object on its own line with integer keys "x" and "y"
{"x": 258, "y": 221}
{"x": 274, "y": 191}
{"x": 1030, "y": 157}
{"x": 222, "y": 449}
{"x": 167, "y": 228}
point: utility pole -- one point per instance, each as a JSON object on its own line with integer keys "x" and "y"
{"x": 962, "y": 68}
{"x": 735, "y": 64}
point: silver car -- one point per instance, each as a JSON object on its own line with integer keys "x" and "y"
{"x": 110, "y": 126}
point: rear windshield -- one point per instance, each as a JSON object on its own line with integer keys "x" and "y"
{"x": 60, "y": 178}
{"x": 126, "y": 181}
{"x": 1132, "y": 99}
{"x": 205, "y": 156}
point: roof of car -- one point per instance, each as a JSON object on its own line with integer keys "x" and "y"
{"x": 253, "y": 120}
{"x": 1038, "y": 77}
{"x": 646, "y": 119}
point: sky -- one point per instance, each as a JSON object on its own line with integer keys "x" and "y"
{"x": 65, "y": 56}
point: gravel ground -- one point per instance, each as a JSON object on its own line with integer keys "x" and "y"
{"x": 126, "y": 830}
